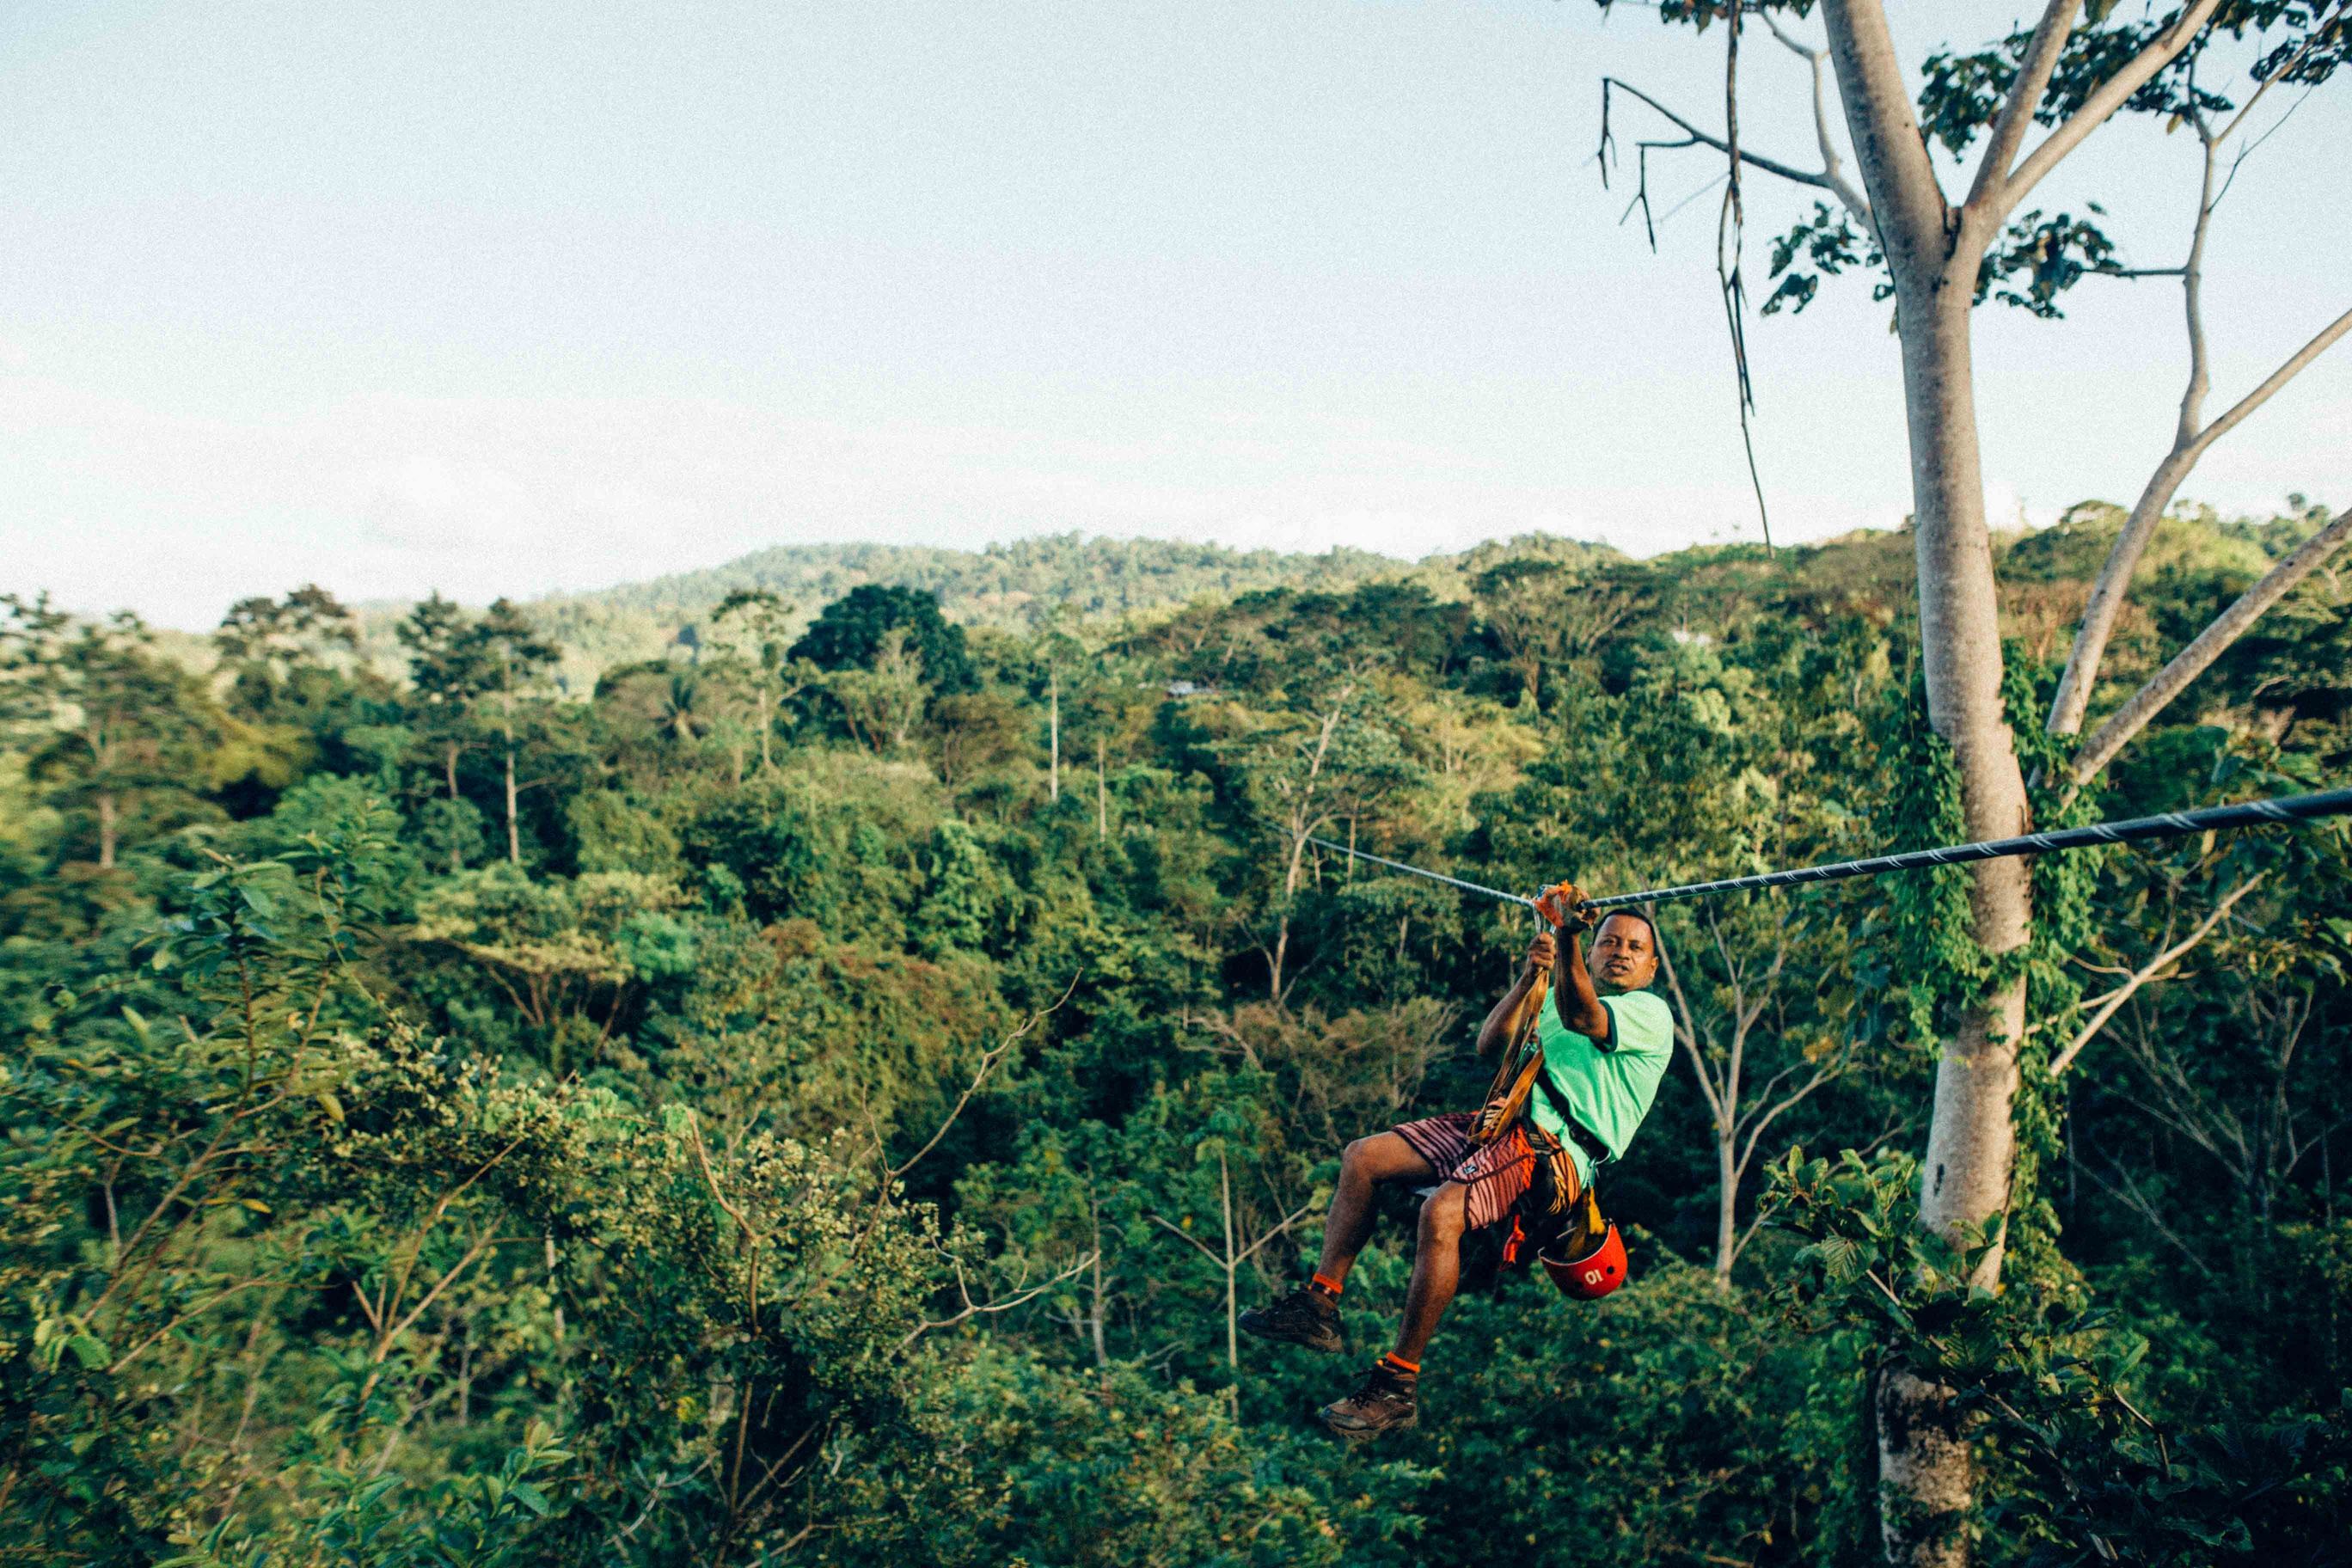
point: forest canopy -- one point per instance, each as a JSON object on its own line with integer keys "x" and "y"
{"x": 814, "y": 1090}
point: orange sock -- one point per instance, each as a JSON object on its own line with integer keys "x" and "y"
{"x": 1399, "y": 1365}
{"x": 1326, "y": 1283}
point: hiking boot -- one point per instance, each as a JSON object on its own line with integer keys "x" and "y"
{"x": 1382, "y": 1402}
{"x": 1305, "y": 1317}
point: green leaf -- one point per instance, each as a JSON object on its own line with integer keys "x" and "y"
{"x": 90, "y": 1350}
{"x": 530, "y": 1496}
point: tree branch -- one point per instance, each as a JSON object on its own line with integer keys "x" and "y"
{"x": 1833, "y": 166}
{"x": 2140, "y": 1204}
{"x": 2191, "y": 661}
{"x": 2294, "y": 366}
{"x": 988, "y": 1062}
{"x": 973, "y": 1309}
{"x": 2024, "y": 96}
{"x": 2122, "y": 994}
{"x": 1905, "y": 194}
{"x": 2109, "y": 96}
{"x": 1688, "y": 1032}
{"x": 1281, "y": 1229}
{"x": 2319, "y": 31}
{"x": 2190, "y": 444}
{"x": 1706, "y": 139}
{"x": 1173, "y": 1229}
{"x": 1757, "y": 1131}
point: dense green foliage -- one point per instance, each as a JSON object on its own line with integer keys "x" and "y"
{"x": 813, "y": 1099}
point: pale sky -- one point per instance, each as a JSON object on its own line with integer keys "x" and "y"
{"x": 504, "y": 298}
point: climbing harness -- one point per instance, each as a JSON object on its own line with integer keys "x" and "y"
{"x": 1515, "y": 1075}
{"x": 2131, "y": 830}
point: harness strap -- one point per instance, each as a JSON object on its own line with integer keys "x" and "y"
{"x": 1587, "y": 1139}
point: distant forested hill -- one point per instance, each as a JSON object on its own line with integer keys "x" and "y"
{"x": 1010, "y": 584}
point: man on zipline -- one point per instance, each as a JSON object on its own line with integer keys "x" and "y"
{"x": 1574, "y": 1097}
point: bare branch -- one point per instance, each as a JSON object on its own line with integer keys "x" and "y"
{"x": 2104, "y": 606}
{"x": 1836, "y": 1069}
{"x": 973, "y": 1309}
{"x": 2140, "y": 1204}
{"x": 1706, "y": 139}
{"x": 2191, "y": 661}
{"x": 203, "y": 1306}
{"x": 1206, "y": 1250}
{"x": 1281, "y": 1229}
{"x": 480, "y": 1245}
{"x": 2024, "y": 96}
{"x": 2294, "y": 366}
{"x": 1833, "y": 166}
{"x": 2109, "y": 96}
{"x": 1688, "y": 1032}
{"x": 2153, "y": 968}
{"x": 988, "y": 1063}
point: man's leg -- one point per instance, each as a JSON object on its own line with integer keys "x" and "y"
{"x": 1309, "y": 1315}
{"x": 1436, "y": 1269}
{"x": 1384, "y": 1400}
{"x": 1363, "y": 1166}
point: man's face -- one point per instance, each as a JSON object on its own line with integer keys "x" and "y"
{"x": 1624, "y": 957}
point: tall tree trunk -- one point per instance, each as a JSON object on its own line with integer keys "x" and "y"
{"x": 1971, "y": 1143}
{"x": 107, "y": 829}
{"x": 514, "y": 838}
{"x": 1094, "y": 1316}
{"x": 450, "y": 765}
{"x": 1933, "y": 250}
{"x": 766, "y": 765}
{"x": 1232, "y": 1270}
{"x": 1726, "y": 1207}
{"x": 1054, "y": 738}
{"x": 1102, "y": 796}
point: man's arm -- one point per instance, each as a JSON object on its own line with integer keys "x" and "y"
{"x": 1510, "y": 1014}
{"x": 1579, "y": 1002}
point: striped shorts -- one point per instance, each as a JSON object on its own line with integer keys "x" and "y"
{"x": 1497, "y": 1176}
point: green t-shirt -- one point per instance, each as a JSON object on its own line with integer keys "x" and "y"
{"x": 1609, "y": 1087}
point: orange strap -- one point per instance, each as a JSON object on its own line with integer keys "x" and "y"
{"x": 1515, "y": 1078}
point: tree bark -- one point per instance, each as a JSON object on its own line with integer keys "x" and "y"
{"x": 1933, "y": 251}
{"x": 1727, "y": 1207}
{"x": 108, "y": 829}
{"x": 449, "y": 762}
{"x": 514, "y": 838}
{"x": 1095, "y": 1316}
{"x": 1232, "y": 1270}
{"x": 1054, "y": 738}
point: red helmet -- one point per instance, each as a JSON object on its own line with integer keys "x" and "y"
{"x": 1594, "y": 1275}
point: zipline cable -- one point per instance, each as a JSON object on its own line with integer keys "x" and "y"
{"x": 2171, "y": 825}
{"x": 1417, "y": 871}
